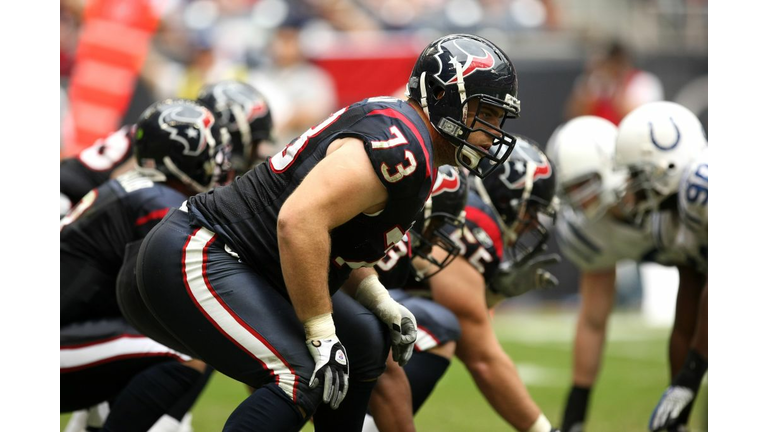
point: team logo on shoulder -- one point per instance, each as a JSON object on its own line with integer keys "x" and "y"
{"x": 187, "y": 123}
{"x": 449, "y": 183}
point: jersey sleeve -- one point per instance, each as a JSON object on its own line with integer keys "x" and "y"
{"x": 693, "y": 196}
{"x": 399, "y": 153}
{"x": 581, "y": 248}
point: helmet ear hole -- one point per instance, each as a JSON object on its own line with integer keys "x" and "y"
{"x": 437, "y": 91}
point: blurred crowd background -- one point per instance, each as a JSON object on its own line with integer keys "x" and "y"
{"x": 310, "y": 57}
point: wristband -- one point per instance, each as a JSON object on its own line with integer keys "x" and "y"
{"x": 541, "y": 425}
{"x": 693, "y": 371}
{"x": 370, "y": 292}
{"x": 320, "y": 327}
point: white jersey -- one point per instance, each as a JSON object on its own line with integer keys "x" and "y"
{"x": 600, "y": 243}
{"x": 686, "y": 234}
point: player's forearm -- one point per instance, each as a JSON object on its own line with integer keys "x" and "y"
{"x": 498, "y": 380}
{"x": 391, "y": 404}
{"x": 304, "y": 249}
{"x": 355, "y": 277}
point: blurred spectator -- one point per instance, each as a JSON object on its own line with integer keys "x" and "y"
{"x": 69, "y": 27}
{"x": 612, "y": 86}
{"x": 300, "y": 93}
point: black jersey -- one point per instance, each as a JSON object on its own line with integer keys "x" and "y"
{"x": 480, "y": 241}
{"x": 398, "y": 145}
{"x": 94, "y": 236}
{"x": 94, "y": 165}
{"x": 395, "y": 268}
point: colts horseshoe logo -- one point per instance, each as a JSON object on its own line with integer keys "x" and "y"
{"x": 665, "y": 146}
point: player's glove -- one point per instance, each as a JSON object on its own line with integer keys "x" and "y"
{"x": 330, "y": 357}
{"x": 515, "y": 279}
{"x": 675, "y": 405}
{"x": 400, "y": 321}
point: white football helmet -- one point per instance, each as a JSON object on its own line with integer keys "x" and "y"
{"x": 582, "y": 150}
{"x": 656, "y": 142}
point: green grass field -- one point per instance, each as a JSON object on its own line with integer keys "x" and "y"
{"x": 633, "y": 377}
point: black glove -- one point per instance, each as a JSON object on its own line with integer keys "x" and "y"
{"x": 513, "y": 280}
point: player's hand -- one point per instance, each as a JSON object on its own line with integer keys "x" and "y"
{"x": 399, "y": 320}
{"x": 672, "y": 411}
{"x": 667, "y": 413}
{"x": 513, "y": 279}
{"x": 402, "y": 328}
{"x": 332, "y": 365}
{"x": 403, "y": 336}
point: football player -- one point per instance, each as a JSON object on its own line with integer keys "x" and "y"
{"x": 663, "y": 146}
{"x": 244, "y": 112}
{"x": 507, "y": 217}
{"x": 507, "y": 214}
{"x": 674, "y": 408}
{"x": 605, "y": 218}
{"x": 237, "y": 106}
{"x": 106, "y": 158}
{"x": 102, "y": 356}
{"x": 594, "y": 235}
{"x": 656, "y": 143}
{"x": 391, "y": 407}
{"x": 242, "y": 276}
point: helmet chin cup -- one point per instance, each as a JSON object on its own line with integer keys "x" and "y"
{"x": 467, "y": 157}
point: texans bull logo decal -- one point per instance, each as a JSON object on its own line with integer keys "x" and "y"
{"x": 472, "y": 64}
{"x": 202, "y": 121}
{"x": 446, "y": 183}
{"x": 543, "y": 170}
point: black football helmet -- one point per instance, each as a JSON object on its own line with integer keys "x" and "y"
{"x": 177, "y": 138}
{"x": 244, "y": 112}
{"x": 522, "y": 194}
{"x": 454, "y": 71}
{"x": 445, "y": 206}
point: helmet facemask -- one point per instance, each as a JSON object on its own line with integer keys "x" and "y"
{"x": 640, "y": 196}
{"x": 475, "y": 158}
{"x": 427, "y": 234}
{"x": 528, "y": 234}
{"x": 589, "y": 195}
{"x": 525, "y": 220}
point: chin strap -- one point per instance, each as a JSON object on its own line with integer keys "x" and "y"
{"x": 152, "y": 174}
{"x": 245, "y": 130}
{"x": 184, "y": 178}
{"x": 460, "y": 84}
{"x": 483, "y": 192}
{"x": 423, "y": 84}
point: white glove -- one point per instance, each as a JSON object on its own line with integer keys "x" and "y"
{"x": 513, "y": 279}
{"x": 330, "y": 359}
{"x": 400, "y": 321}
{"x": 672, "y": 403}
{"x": 672, "y": 411}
